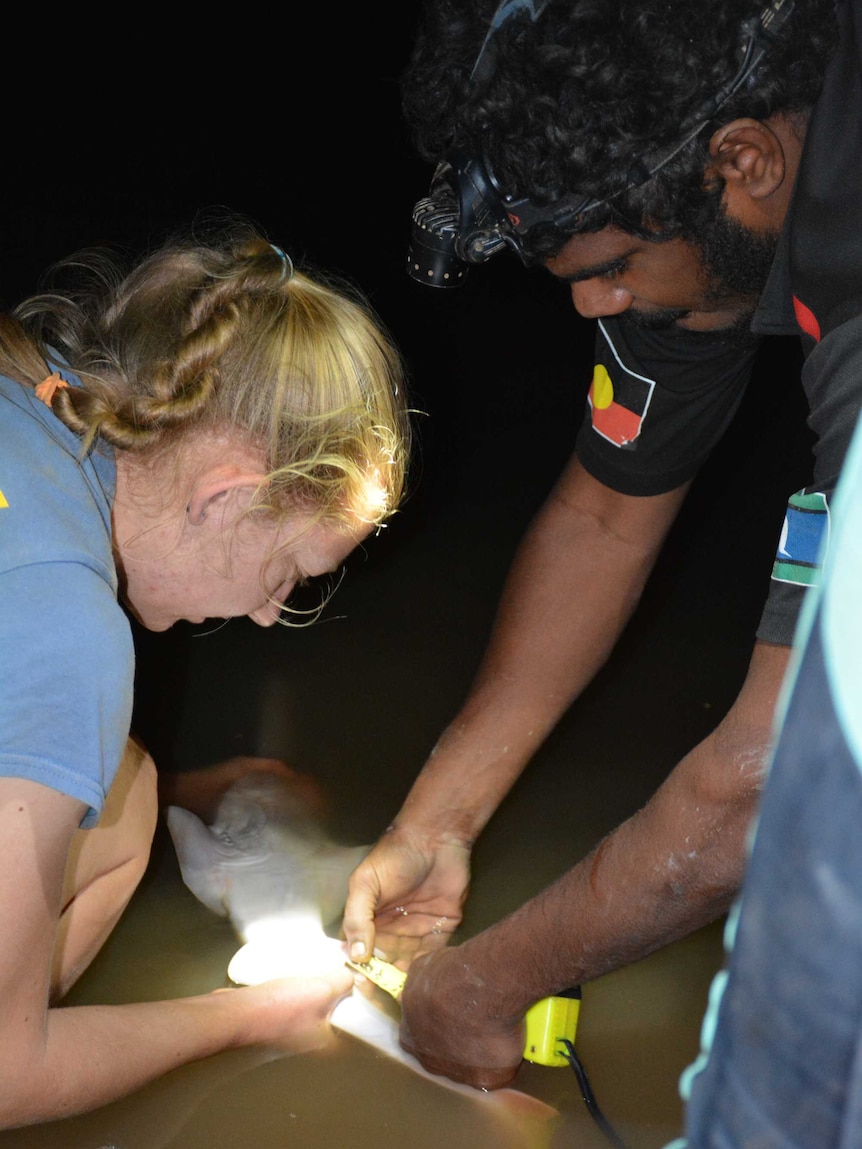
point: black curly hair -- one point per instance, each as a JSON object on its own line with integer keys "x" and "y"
{"x": 584, "y": 94}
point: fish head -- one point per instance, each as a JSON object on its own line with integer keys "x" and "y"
{"x": 265, "y": 858}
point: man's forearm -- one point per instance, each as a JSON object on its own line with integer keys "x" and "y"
{"x": 669, "y": 869}
{"x": 576, "y": 579}
{"x": 606, "y": 913}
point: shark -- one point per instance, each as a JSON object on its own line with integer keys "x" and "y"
{"x": 264, "y": 858}
{"x": 261, "y": 857}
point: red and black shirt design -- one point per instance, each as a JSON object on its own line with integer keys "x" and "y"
{"x": 658, "y": 403}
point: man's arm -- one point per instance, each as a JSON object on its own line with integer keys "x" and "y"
{"x": 55, "y": 1062}
{"x": 576, "y": 579}
{"x": 672, "y": 867}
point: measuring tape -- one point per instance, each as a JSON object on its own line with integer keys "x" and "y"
{"x": 389, "y": 977}
{"x": 549, "y": 1022}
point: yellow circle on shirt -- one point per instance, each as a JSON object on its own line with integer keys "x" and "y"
{"x": 603, "y": 388}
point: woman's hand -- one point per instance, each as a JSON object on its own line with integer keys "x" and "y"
{"x": 292, "y": 1013}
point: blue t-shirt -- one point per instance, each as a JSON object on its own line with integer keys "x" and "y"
{"x": 65, "y": 643}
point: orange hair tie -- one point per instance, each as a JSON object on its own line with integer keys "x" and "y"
{"x": 48, "y": 388}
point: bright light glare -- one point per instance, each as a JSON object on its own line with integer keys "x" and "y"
{"x": 374, "y": 498}
{"x": 284, "y": 947}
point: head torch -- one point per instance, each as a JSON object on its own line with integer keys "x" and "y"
{"x": 466, "y": 218}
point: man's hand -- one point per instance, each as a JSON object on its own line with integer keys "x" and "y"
{"x": 451, "y": 1023}
{"x": 406, "y": 897}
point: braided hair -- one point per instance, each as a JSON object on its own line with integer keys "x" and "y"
{"x": 221, "y": 333}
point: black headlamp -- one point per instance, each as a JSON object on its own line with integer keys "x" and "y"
{"x": 466, "y": 217}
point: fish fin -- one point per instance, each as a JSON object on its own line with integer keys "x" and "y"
{"x": 195, "y": 848}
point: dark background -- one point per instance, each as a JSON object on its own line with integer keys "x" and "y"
{"x": 298, "y": 126}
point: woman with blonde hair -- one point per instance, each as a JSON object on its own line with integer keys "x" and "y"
{"x": 193, "y": 438}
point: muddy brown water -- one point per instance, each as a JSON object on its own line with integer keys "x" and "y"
{"x": 638, "y": 1029}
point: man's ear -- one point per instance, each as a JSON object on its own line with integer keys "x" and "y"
{"x": 749, "y": 157}
{"x": 213, "y": 489}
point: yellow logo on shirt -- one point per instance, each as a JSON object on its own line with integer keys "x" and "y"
{"x": 3, "y": 502}
{"x": 602, "y": 390}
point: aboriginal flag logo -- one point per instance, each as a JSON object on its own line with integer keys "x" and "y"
{"x": 619, "y": 400}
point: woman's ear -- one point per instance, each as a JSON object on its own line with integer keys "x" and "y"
{"x": 212, "y": 489}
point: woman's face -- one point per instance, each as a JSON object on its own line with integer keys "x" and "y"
{"x": 225, "y": 568}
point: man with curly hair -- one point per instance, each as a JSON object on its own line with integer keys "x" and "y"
{"x": 692, "y": 174}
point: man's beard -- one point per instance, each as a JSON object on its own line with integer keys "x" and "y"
{"x": 736, "y": 262}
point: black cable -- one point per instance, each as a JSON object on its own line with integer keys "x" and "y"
{"x": 589, "y": 1097}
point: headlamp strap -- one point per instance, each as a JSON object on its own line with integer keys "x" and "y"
{"x": 484, "y": 64}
